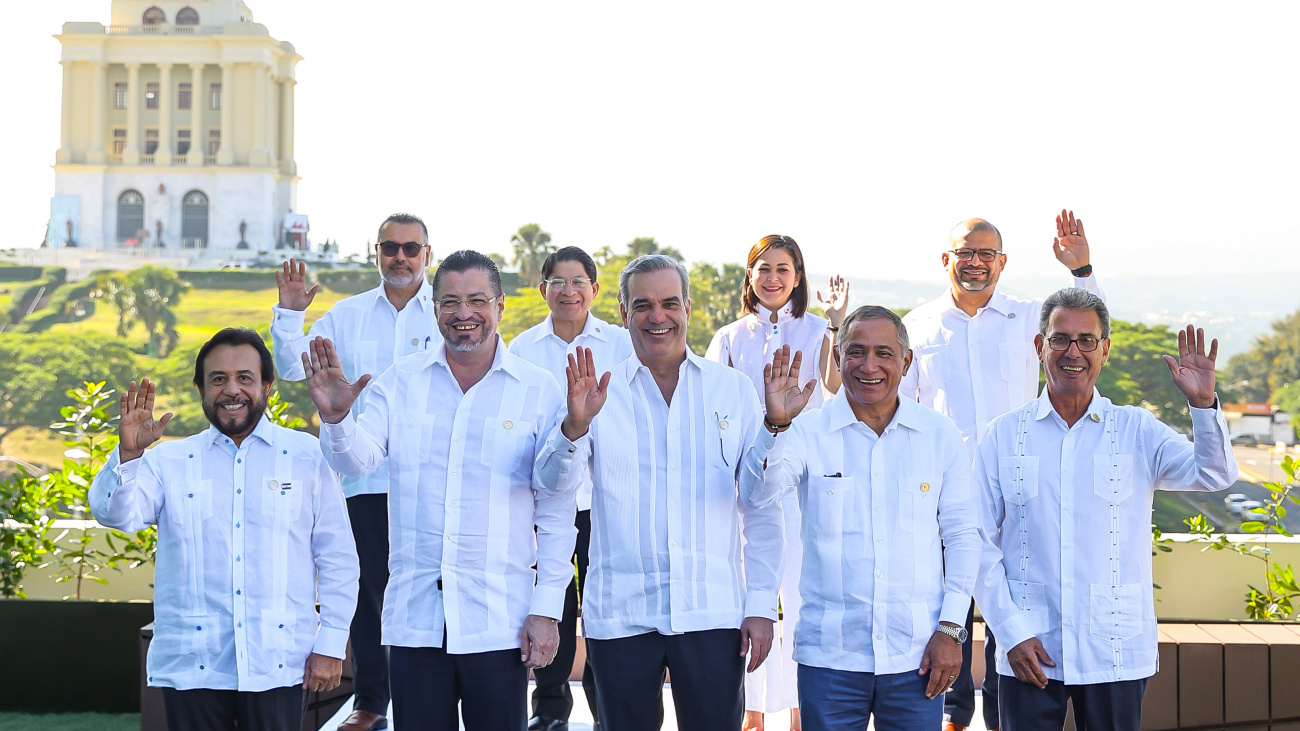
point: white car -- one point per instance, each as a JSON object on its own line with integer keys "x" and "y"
{"x": 1248, "y": 506}
{"x": 1233, "y": 503}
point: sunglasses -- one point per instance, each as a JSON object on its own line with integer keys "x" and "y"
{"x": 410, "y": 248}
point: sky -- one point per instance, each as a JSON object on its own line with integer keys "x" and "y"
{"x": 865, "y": 130}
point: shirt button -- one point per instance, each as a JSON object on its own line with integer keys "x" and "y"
{"x": 674, "y": 544}
{"x": 880, "y": 637}
{"x": 880, "y": 575}
{"x": 877, "y": 510}
{"x": 415, "y": 341}
{"x": 236, "y": 525}
{"x": 239, "y": 591}
{"x": 239, "y": 492}
{"x": 239, "y": 624}
{"x": 830, "y": 492}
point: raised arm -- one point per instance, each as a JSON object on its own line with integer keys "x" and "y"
{"x": 1070, "y": 246}
{"x": 766, "y": 474}
{"x": 351, "y": 446}
{"x": 836, "y": 306}
{"x": 1208, "y": 462}
{"x": 563, "y": 449}
{"x": 287, "y": 318}
{"x": 126, "y": 493}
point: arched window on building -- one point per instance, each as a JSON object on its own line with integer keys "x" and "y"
{"x": 194, "y": 220}
{"x": 187, "y": 16}
{"x": 130, "y": 215}
{"x": 154, "y": 16}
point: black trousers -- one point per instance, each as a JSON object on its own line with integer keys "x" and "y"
{"x": 1097, "y": 707}
{"x": 428, "y": 683}
{"x": 959, "y": 701}
{"x": 369, "y": 517}
{"x": 708, "y": 674}
{"x": 278, "y": 709}
{"x": 552, "y": 698}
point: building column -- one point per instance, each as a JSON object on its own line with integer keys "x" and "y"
{"x": 272, "y": 111}
{"x": 226, "y": 154}
{"x": 164, "y": 154}
{"x": 131, "y": 156}
{"x": 98, "y": 105}
{"x": 198, "y": 100}
{"x": 287, "y": 165}
{"x": 259, "y": 156}
{"x": 64, "y": 155}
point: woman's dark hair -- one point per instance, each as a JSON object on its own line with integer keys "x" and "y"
{"x": 799, "y": 297}
{"x": 235, "y": 336}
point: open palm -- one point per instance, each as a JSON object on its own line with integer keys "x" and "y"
{"x": 329, "y": 388}
{"x": 137, "y": 429}
{"x": 292, "y": 283}
{"x": 782, "y": 396}
{"x": 1070, "y": 245}
{"x": 836, "y": 302}
{"x": 1193, "y": 372}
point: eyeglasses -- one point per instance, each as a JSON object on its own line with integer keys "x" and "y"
{"x": 475, "y": 304}
{"x": 1086, "y": 343}
{"x": 579, "y": 284}
{"x": 410, "y": 248}
{"x": 986, "y": 255}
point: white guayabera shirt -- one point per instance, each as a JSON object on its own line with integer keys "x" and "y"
{"x": 1067, "y": 511}
{"x": 243, "y": 533}
{"x": 369, "y": 334}
{"x": 748, "y": 344}
{"x": 464, "y": 501}
{"x": 539, "y": 345}
{"x": 974, "y": 369}
{"x": 666, "y": 518}
{"x": 890, "y": 538}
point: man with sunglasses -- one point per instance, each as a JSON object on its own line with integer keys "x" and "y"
{"x": 569, "y": 285}
{"x": 1064, "y": 487}
{"x": 370, "y": 330}
{"x": 973, "y": 360}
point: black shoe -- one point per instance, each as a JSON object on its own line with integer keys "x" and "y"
{"x": 541, "y": 723}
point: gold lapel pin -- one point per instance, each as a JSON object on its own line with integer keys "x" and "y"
{"x": 925, "y": 487}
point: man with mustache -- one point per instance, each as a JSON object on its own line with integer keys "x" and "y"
{"x": 661, "y": 438}
{"x": 1065, "y": 486}
{"x": 973, "y": 361}
{"x": 460, "y": 428}
{"x": 370, "y": 331}
{"x": 252, "y": 529}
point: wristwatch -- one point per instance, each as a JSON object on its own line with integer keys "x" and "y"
{"x": 957, "y": 633}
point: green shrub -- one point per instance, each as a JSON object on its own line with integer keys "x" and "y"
{"x": 245, "y": 279}
{"x": 347, "y": 281}
{"x": 11, "y": 273}
{"x": 63, "y": 306}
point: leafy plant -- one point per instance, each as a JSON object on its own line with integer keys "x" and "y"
{"x": 24, "y": 530}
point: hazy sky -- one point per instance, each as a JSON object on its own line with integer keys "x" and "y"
{"x": 863, "y": 129}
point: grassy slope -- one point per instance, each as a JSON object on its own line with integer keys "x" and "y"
{"x": 70, "y": 722}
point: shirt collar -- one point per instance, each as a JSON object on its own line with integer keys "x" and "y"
{"x": 998, "y": 303}
{"x": 263, "y": 431}
{"x": 764, "y": 315}
{"x": 634, "y": 363}
{"x": 840, "y": 414}
{"x": 503, "y": 360}
{"x": 593, "y": 327}
{"x": 423, "y": 296}
{"x": 1096, "y": 408}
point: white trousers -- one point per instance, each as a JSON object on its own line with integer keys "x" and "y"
{"x": 773, "y": 686}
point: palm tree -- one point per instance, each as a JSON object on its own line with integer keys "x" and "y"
{"x": 531, "y": 247}
{"x": 645, "y": 245}
{"x": 147, "y": 296}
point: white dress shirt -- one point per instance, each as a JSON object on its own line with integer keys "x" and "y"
{"x": 666, "y": 518}
{"x": 1067, "y": 511}
{"x": 974, "y": 369}
{"x": 890, "y": 535}
{"x": 748, "y": 344}
{"x": 369, "y": 333}
{"x": 463, "y": 502}
{"x": 539, "y": 345}
{"x": 243, "y": 533}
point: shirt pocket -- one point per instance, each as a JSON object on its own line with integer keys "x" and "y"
{"x": 827, "y": 499}
{"x": 724, "y": 445}
{"x": 1018, "y": 479}
{"x": 278, "y": 634}
{"x": 363, "y": 357}
{"x": 1112, "y": 477}
{"x": 281, "y": 497}
{"x": 1031, "y": 600}
{"x": 200, "y": 635}
{"x": 1014, "y": 360}
{"x": 507, "y": 444}
{"x": 190, "y": 505}
{"x": 1115, "y": 611}
{"x": 928, "y": 359}
{"x": 918, "y": 500}
{"x": 414, "y": 439}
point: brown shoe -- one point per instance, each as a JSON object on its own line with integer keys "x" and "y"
{"x": 947, "y": 726}
{"x": 364, "y": 721}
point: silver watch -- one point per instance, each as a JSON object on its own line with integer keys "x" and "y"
{"x": 957, "y": 633}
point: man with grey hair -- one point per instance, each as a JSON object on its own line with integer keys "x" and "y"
{"x": 891, "y": 544}
{"x": 974, "y": 361}
{"x": 1065, "y": 485}
{"x": 661, "y": 437}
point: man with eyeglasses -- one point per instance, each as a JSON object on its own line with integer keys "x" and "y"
{"x": 1065, "y": 485}
{"x": 974, "y": 360}
{"x": 465, "y": 613}
{"x": 371, "y": 330}
{"x": 569, "y": 285}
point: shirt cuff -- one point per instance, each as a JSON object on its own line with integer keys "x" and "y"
{"x": 126, "y": 471}
{"x": 1204, "y": 420}
{"x": 331, "y": 642}
{"x": 775, "y": 444}
{"x": 283, "y": 317}
{"x": 1082, "y": 282}
{"x": 760, "y": 603}
{"x": 340, "y": 434}
{"x": 955, "y": 607}
{"x": 1012, "y": 631}
{"x": 548, "y": 601}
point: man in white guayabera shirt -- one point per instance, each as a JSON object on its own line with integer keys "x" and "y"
{"x": 891, "y": 545}
{"x": 465, "y": 615}
{"x": 973, "y": 361}
{"x": 252, "y": 529}
{"x": 370, "y": 331}
{"x": 1065, "y": 488}
{"x": 662, "y": 435}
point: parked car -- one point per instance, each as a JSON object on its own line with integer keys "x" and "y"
{"x": 1243, "y": 440}
{"x": 1248, "y": 506}
{"x": 1233, "y": 503}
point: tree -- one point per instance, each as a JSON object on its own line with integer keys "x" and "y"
{"x": 531, "y": 246}
{"x": 1137, "y": 374}
{"x": 1269, "y": 366}
{"x": 147, "y": 296}
{"x": 715, "y": 301}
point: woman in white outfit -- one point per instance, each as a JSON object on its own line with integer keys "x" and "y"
{"x": 775, "y": 300}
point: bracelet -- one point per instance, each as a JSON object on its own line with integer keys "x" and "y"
{"x": 1083, "y": 271}
{"x": 833, "y": 328}
{"x": 775, "y": 428}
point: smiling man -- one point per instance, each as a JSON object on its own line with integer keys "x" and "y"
{"x": 891, "y": 544}
{"x": 661, "y": 437}
{"x": 252, "y": 529}
{"x": 1065, "y": 487}
{"x": 465, "y": 615}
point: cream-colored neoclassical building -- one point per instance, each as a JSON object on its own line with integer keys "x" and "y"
{"x": 177, "y": 130}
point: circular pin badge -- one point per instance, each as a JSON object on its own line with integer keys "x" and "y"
{"x": 925, "y": 487}
{"x": 273, "y": 484}
{"x": 1096, "y": 417}
{"x": 724, "y": 424}
{"x": 1011, "y": 315}
{"x": 509, "y": 424}
{"x": 415, "y": 341}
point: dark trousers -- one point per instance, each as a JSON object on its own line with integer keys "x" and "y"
{"x": 843, "y": 700}
{"x": 369, "y": 517}
{"x": 428, "y": 683}
{"x": 1097, "y": 707}
{"x": 552, "y": 698}
{"x": 278, "y": 709}
{"x": 959, "y": 701}
{"x": 708, "y": 674}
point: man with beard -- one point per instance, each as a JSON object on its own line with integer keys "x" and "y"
{"x": 370, "y": 331}
{"x": 459, "y": 426}
{"x": 974, "y": 360}
{"x": 252, "y": 529}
